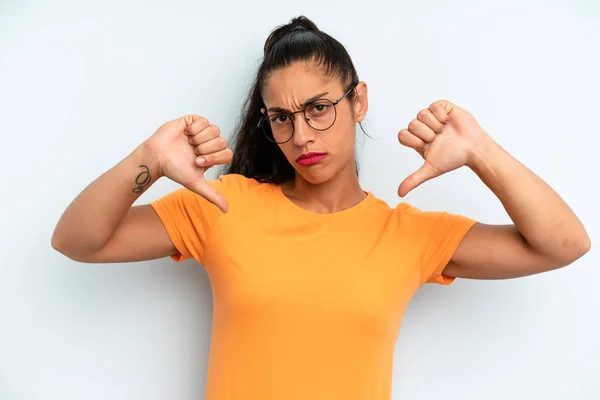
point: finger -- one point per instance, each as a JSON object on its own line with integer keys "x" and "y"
{"x": 420, "y": 130}
{"x": 206, "y": 134}
{"x": 212, "y": 146}
{"x": 427, "y": 117}
{"x": 441, "y": 109}
{"x": 422, "y": 175}
{"x": 409, "y": 140}
{"x": 218, "y": 158}
{"x": 197, "y": 125}
{"x": 202, "y": 188}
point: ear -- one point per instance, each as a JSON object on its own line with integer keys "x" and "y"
{"x": 361, "y": 102}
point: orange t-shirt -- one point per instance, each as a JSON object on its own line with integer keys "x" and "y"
{"x": 306, "y": 305}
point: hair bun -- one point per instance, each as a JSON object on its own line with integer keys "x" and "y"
{"x": 303, "y": 22}
{"x": 298, "y": 23}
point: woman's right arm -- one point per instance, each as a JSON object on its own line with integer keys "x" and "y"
{"x": 101, "y": 226}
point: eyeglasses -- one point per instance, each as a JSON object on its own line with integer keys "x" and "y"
{"x": 319, "y": 114}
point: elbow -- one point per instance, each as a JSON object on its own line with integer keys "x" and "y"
{"x": 59, "y": 246}
{"x": 575, "y": 249}
{"x": 69, "y": 251}
{"x": 586, "y": 246}
{"x": 56, "y": 243}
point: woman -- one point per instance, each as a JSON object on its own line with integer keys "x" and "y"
{"x": 311, "y": 275}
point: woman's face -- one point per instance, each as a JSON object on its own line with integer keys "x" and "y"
{"x": 317, "y": 155}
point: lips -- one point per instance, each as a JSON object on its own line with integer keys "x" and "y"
{"x": 310, "y": 158}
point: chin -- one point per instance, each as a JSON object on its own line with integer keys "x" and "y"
{"x": 316, "y": 176}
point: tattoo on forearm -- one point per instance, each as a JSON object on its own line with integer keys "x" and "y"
{"x": 142, "y": 180}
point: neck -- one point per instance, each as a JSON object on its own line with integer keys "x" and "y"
{"x": 341, "y": 192}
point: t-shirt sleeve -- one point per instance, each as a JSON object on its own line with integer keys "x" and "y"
{"x": 189, "y": 219}
{"x": 436, "y": 235}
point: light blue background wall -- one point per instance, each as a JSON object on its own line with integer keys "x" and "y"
{"x": 82, "y": 84}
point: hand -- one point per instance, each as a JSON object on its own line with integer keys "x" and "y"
{"x": 446, "y": 136}
{"x": 185, "y": 148}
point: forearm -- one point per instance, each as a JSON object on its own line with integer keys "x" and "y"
{"x": 545, "y": 221}
{"x": 93, "y": 217}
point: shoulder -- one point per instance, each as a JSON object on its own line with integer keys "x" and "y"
{"x": 237, "y": 185}
{"x": 410, "y": 214}
{"x": 402, "y": 217}
{"x": 403, "y": 211}
{"x": 431, "y": 225}
{"x": 410, "y": 218}
{"x": 242, "y": 193}
{"x": 235, "y": 188}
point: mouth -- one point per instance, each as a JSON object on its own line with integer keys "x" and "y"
{"x": 310, "y": 158}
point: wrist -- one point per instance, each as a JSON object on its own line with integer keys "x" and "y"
{"x": 481, "y": 156}
{"x": 145, "y": 156}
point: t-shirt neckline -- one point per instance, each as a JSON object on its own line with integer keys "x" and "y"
{"x": 304, "y": 213}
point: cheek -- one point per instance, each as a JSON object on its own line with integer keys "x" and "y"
{"x": 344, "y": 137}
{"x": 287, "y": 149}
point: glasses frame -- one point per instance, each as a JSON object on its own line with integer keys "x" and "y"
{"x": 261, "y": 123}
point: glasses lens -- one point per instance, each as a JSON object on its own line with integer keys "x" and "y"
{"x": 320, "y": 114}
{"x": 278, "y": 127}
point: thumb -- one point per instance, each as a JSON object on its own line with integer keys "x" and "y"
{"x": 448, "y": 107}
{"x": 190, "y": 119}
{"x": 202, "y": 188}
{"x": 422, "y": 175}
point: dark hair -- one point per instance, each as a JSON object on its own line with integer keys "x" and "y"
{"x": 255, "y": 156}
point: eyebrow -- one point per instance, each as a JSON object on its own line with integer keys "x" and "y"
{"x": 308, "y": 101}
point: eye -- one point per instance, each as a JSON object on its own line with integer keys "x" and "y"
{"x": 319, "y": 108}
{"x": 279, "y": 119}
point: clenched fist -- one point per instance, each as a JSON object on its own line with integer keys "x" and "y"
{"x": 185, "y": 148}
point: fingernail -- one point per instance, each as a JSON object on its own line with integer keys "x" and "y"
{"x": 201, "y": 161}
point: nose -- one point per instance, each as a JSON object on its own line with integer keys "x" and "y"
{"x": 303, "y": 133}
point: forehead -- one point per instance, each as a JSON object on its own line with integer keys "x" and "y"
{"x": 291, "y": 86}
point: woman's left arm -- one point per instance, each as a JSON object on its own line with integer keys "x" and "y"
{"x": 546, "y": 234}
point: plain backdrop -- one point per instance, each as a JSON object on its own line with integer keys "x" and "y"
{"x": 82, "y": 84}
